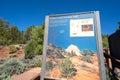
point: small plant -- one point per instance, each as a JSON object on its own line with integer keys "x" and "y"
{"x": 29, "y": 63}
{"x": 3, "y": 60}
{"x": 4, "y": 77}
{"x": 12, "y": 49}
{"x": 87, "y": 52}
{"x": 87, "y": 59}
{"x": 49, "y": 65}
{"x": 38, "y": 64}
{"x": 67, "y": 68}
{"x": 30, "y": 49}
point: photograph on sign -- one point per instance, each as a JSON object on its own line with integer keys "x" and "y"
{"x": 71, "y": 50}
{"x": 81, "y": 27}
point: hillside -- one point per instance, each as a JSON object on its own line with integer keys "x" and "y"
{"x": 86, "y": 67}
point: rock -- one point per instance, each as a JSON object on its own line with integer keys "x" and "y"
{"x": 31, "y": 74}
{"x": 117, "y": 71}
{"x": 1, "y": 47}
{"x": 73, "y": 48}
{"x": 17, "y": 47}
{"x": 54, "y": 51}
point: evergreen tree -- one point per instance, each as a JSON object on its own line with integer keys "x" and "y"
{"x": 37, "y": 34}
{"x": 15, "y": 35}
{"x": 28, "y": 33}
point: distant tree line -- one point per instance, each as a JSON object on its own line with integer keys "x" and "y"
{"x": 10, "y": 34}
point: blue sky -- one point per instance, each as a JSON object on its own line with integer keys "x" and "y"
{"x": 24, "y": 13}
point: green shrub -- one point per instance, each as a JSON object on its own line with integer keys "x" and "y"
{"x": 38, "y": 64}
{"x": 67, "y": 68}
{"x": 12, "y": 67}
{"x": 8, "y": 67}
{"x": 49, "y": 65}
{"x": 29, "y": 63}
{"x": 3, "y": 60}
{"x": 3, "y": 41}
{"x": 39, "y": 49}
{"x": 87, "y": 52}
{"x": 4, "y": 76}
{"x": 12, "y": 49}
{"x": 30, "y": 49}
{"x": 86, "y": 59}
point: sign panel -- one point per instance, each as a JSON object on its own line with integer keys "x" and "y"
{"x": 71, "y": 49}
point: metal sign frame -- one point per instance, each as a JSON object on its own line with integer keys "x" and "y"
{"x": 98, "y": 42}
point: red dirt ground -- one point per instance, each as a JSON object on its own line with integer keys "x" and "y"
{"x": 4, "y": 52}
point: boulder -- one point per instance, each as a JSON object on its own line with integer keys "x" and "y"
{"x": 73, "y": 48}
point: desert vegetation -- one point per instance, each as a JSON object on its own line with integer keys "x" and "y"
{"x": 9, "y": 66}
{"x": 19, "y": 50}
{"x": 69, "y": 64}
{"x": 67, "y": 70}
{"x": 22, "y": 50}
